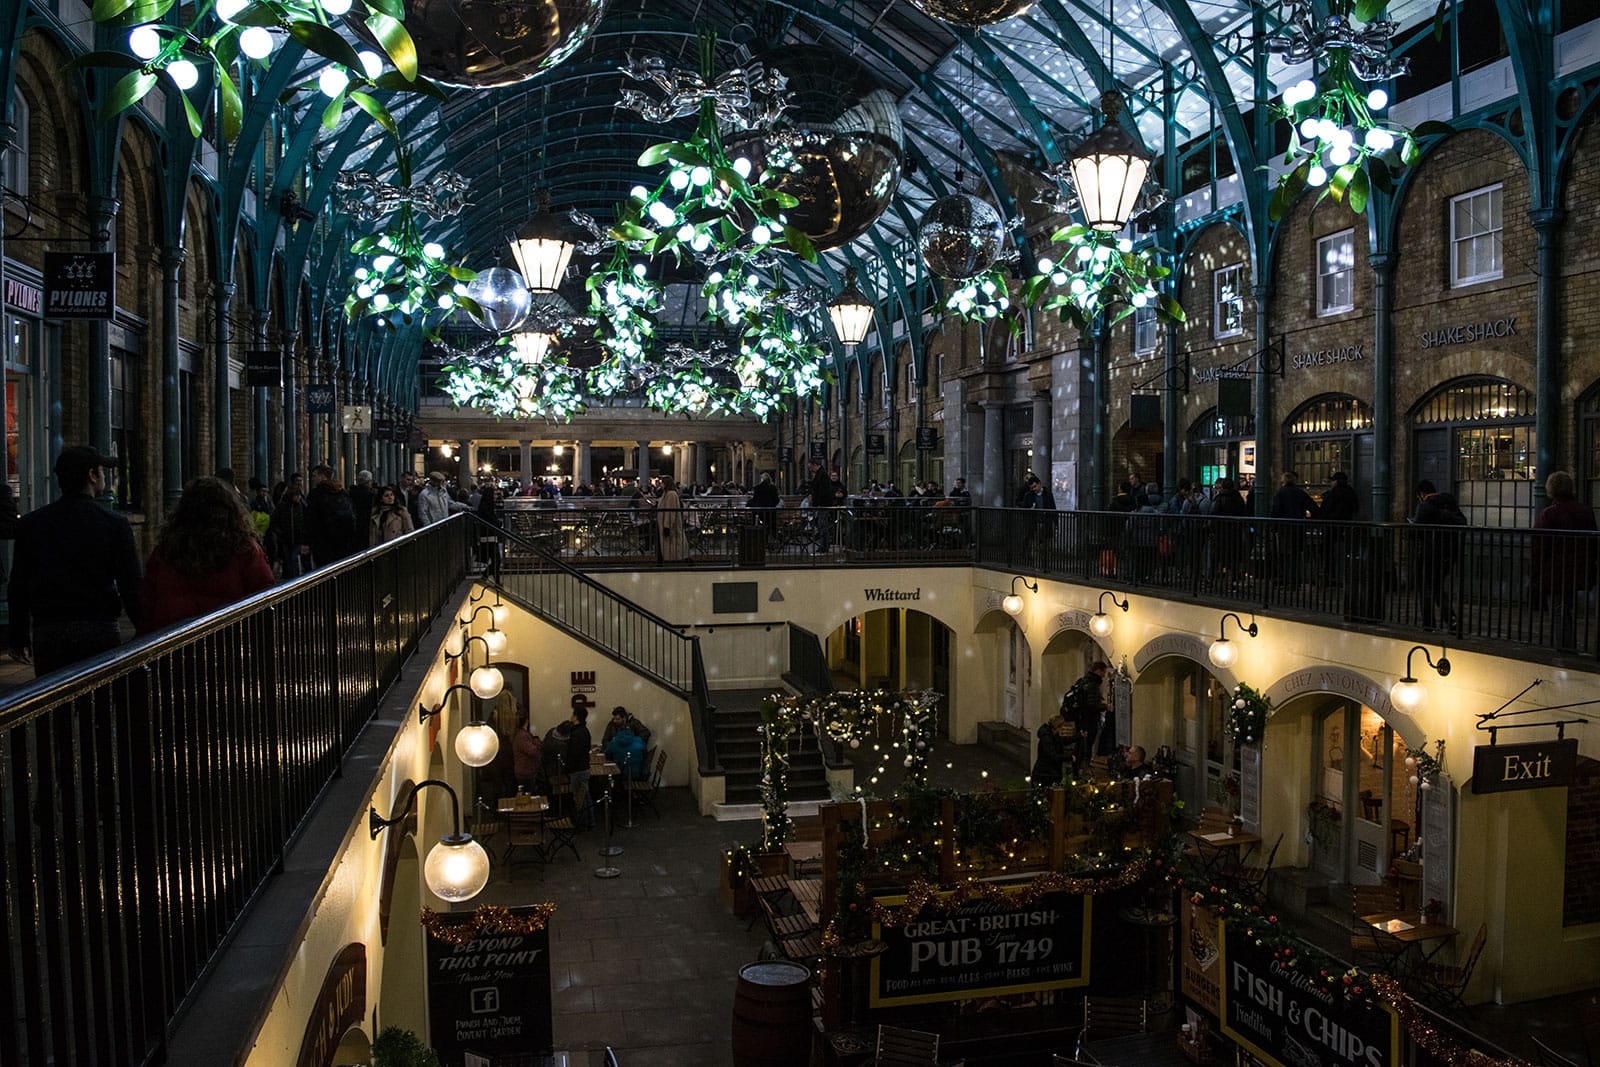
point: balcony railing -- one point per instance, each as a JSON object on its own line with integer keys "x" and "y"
{"x": 1531, "y": 590}
{"x": 146, "y": 795}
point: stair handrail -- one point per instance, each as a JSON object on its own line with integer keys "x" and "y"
{"x": 694, "y": 686}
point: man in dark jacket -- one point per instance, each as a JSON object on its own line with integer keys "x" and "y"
{"x": 1294, "y": 503}
{"x": 577, "y": 760}
{"x": 1436, "y": 551}
{"x": 330, "y": 518}
{"x": 363, "y": 497}
{"x": 1340, "y": 503}
{"x": 74, "y": 572}
{"x": 764, "y": 497}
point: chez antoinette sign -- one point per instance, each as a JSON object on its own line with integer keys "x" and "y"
{"x": 1282, "y": 1017}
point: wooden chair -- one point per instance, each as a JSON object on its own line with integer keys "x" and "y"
{"x": 899, "y": 1047}
{"x": 644, "y": 792}
{"x": 1111, "y": 1017}
{"x": 1549, "y": 1057}
{"x": 525, "y": 829}
{"x": 1366, "y": 941}
{"x": 560, "y": 833}
{"x": 486, "y": 823}
{"x": 1254, "y": 879}
{"x": 1446, "y": 984}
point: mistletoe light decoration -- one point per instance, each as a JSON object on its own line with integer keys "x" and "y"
{"x": 1247, "y": 717}
{"x": 1100, "y": 273}
{"x": 224, "y": 34}
{"x": 1338, "y": 140}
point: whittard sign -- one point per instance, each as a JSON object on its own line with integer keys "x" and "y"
{"x": 1283, "y": 1017}
{"x": 982, "y": 950}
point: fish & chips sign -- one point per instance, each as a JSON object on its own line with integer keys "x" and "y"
{"x": 1283, "y": 1017}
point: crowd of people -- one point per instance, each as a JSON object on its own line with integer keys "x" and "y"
{"x": 535, "y": 764}
{"x": 1083, "y": 729}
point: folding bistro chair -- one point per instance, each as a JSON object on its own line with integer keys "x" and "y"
{"x": 1254, "y": 879}
{"x": 899, "y": 1047}
{"x": 644, "y": 791}
{"x": 1446, "y": 984}
{"x": 1111, "y": 1017}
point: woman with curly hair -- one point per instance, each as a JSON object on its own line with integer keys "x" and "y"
{"x": 206, "y": 557}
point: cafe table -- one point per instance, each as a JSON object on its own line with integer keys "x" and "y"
{"x": 1411, "y": 936}
{"x": 1220, "y": 851}
{"x": 802, "y": 854}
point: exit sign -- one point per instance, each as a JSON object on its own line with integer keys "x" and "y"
{"x": 1535, "y": 765}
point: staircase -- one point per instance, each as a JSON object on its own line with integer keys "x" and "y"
{"x": 738, "y": 750}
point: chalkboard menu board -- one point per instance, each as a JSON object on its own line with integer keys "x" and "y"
{"x": 1283, "y": 1018}
{"x": 983, "y": 950}
{"x": 490, "y": 995}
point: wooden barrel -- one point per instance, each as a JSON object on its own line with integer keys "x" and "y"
{"x": 772, "y": 1015}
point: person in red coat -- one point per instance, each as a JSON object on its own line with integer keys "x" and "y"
{"x": 206, "y": 558}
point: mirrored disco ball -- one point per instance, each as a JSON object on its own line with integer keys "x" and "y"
{"x": 973, "y": 12}
{"x": 479, "y": 44}
{"x": 836, "y": 148}
{"x": 960, "y": 236}
{"x": 504, "y": 298}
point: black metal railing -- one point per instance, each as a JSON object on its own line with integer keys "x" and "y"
{"x": 1531, "y": 590}
{"x": 808, "y": 663}
{"x": 147, "y": 794}
{"x": 607, "y": 620}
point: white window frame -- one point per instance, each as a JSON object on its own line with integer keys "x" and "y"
{"x": 1497, "y": 232}
{"x": 1144, "y": 322}
{"x": 1236, "y": 271}
{"x": 17, "y": 157}
{"x": 1348, "y": 236}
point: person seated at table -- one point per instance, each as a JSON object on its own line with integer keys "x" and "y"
{"x": 1134, "y": 765}
{"x": 527, "y": 752}
{"x": 623, "y": 719}
{"x": 626, "y": 749}
{"x": 1055, "y": 748}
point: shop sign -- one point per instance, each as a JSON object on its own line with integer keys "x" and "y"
{"x": 1282, "y": 1017}
{"x": 1329, "y": 357}
{"x": 382, "y": 429}
{"x": 1533, "y": 765}
{"x": 1201, "y": 951}
{"x": 875, "y": 444}
{"x": 356, "y": 418}
{"x": 24, "y": 297}
{"x": 886, "y": 595}
{"x": 80, "y": 285}
{"x": 489, "y": 996}
{"x": 1216, "y": 374}
{"x": 341, "y": 1004}
{"x": 927, "y": 438}
{"x": 1470, "y": 331}
{"x": 819, "y": 451}
{"x": 786, "y": 454}
{"x": 319, "y": 400}
{"x": 982, "y": 950}
{"x": 263, "y": 367}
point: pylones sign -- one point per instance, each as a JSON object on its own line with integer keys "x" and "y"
{"x": 80, "y": 285}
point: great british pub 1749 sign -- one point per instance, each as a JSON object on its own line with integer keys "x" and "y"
{"x": 80, "y": 285}
{"x": 1282, "y": 1017}
{"x": 982, "y": 950}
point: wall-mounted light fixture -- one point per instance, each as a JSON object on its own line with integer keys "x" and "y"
{"x": 477, "y": 743}
{"x": 1100, "y": 623}
{"x": 502, "y": 612}
{"x": 1013, "y": 600}
{"x": 1225, "y": 653}
{"x": 1408, "y": 694}
{"x": 457, "y": 868}
{"x": 486, "y": 680}
{"x": 494, "y": 638}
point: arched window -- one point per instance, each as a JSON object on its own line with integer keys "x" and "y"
{"x": 1330, "y": 433}
{"x": 1474, "y": 437}
{"x": 17, "y": 155}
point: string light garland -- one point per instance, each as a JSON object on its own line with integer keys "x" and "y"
{"x": 923, "y": 896}
{"x": 488, "y": 920}
{"x": 1419, "y": 1027}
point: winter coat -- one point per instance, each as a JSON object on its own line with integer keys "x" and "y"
{"x": 170, "y": 596}
{"x": 388, "y": 523}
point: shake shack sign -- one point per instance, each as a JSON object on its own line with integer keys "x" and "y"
{"x": 982, "y": 950}
{"x": 1467, "y": 332}
{"x": 1284, "y": 1017}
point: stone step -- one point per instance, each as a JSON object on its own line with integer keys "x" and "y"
{"x": 1011, "y": 742}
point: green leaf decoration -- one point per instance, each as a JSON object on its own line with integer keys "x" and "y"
{"x": 1433, "y": 128}
{"x": 799, "y": 243}
{"x": 676, "y": 151}
{"x": 331, "y": 113}
{"x": 191, "y": 114}
{"x": 258, "y": 15}
{"x": 1170, "y": 307}
{"x": 1367, "y": 10}
{"x": 1440, "y": 14}
{"x": 120, "y": 60}
{"x": 1359, "y": 190}
{"x": 1289, "y": 188}
{"x": 365, "y": 244}
{"x": 1409, "y": 152}
{"x": 129, "y": 91}
{"x": 105, "y": 10}
{"x": 1382, "y": 177}
{"x": 394, "y": 81}
{"x": 379, "y": 113}
{"x": 326, "y": 43}
{"x": 232, "y": 106}
{"x": 461, "y": 274}
{"x": 395, "y": 9}
{"x": 397, "y": 44}
{"x": 632, "y": 231}
{"x": 137, "y": 13}
{"x": 1341, "y": 179}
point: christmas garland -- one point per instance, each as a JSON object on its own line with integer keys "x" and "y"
{"x": 1247, "y": 719}
{"x": 922, "y": 895}
{"x": 1425, "y": 1035}
{"x": 488, "y": 920}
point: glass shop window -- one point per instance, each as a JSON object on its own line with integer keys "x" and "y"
{"x": 1229, "y": 303}
{"x": 1144, "y": 331}
{"x": 1475, "y": 253}
{"x": 1336, "y": 271}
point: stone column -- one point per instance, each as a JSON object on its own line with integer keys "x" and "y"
{"x": 525, "y": 451}
{"x": 643, "y": 459}
{"x": 222, "y": 390}
{"x": 992, "y": 492}
{"x": 1267, "y": 429}
{"x": 171, "y": 397}
{"x": 260, "y": 458}
{"x": 955, "y": 432}
{"x": 291, "y": 403}
{"x": 582, "y": 458}
{"x": 1547, "y": 352}
{"x": 703, "y": 464}
{"x": 1381, "y": 476}
{"x": 102, "y": 209}
{"x": 1041, "y": 438}
{"x": 348, "y": 474}
{"x": 316, "y": 424}
{"x": 469, "y": 462}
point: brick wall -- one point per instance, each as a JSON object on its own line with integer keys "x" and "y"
{"x": 1581, "y": 901}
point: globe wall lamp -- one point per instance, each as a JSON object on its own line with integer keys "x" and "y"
{"x": 1012, "y": 604}
{"x": 457, "y": 868}
{"x": 494, "y": 638}
{"x": 544, "y": 247}
{"x": 1109, "y": 169}
{"x": 851, "y": 312}
{"x": 1100, "y": 622}
{"x": 502, "y": 612}
{"x": 1225, "y": 653}
{"x": 477, "y": 743}
{"x": 1408, "y": 694}
{"x": 486, "y": 681}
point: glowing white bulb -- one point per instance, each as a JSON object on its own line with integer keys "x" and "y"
{"x": 1012, "y": 604}
{"x": 700, "y": 176}
{"x": 457, "y": 868}
{"x": 761, "y": 235}
{"x": 1046, "y": 265}
{"x": 336, "y": 7}
{"x": 1408, "y": 694}
{"x": 1100, "y": 624}
{"x": 477, "y": 744}
{"x": 662, "y": 214}
{"x": 454, "y": 640}
{"x": 494, "y": 640}
{"x": 1316, "y": 176}
{"x": 685, "y": 232}
{"x": 1377, "y": 100}
{"x": 1124, "y": 245}
{"x": 1308, "y": 128}
{"x": 1379, "y": 140}
{"x": 679, "y": 180}
{"x": 1223, "y": 653}
{"x": 256, "y": 42}
{"x": 1339, "y": 155}
{"x": 1343, "y": 138}
{"x": 332, "y": 81}
{"x": 380, "y": 301}
{"x": 446, "y": 301}
{"x": 433, "y": 250}
{"x": 144, "y": 42}
{"x": 487, "y": 682}
{"x": 184, "y": 74}
{"x": 741, "y": 167}
{"x": 371, "y": 62}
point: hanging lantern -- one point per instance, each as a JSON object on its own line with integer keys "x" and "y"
{"x": 851, "y": 312}
{"x": 531, "y": 345}
{"x": 544, "y": 247}
{"x": 1108, "y": 170}
{"x": 960, "y": 236}
{"x": 502, "y": 297}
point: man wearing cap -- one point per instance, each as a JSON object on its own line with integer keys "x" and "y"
{"x": 74, "y": 572}
{"x": 434, "y": 503}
